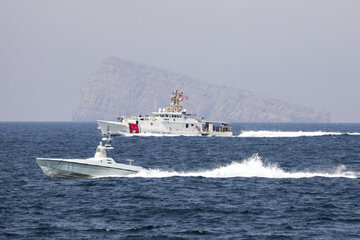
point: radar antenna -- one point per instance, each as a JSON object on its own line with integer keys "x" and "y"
{"x": 175, "y": 100}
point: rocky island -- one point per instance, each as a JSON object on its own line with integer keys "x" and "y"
{"x": 120, "y": 87}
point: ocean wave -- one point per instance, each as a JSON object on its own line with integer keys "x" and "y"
{"x": 250, "y": 167}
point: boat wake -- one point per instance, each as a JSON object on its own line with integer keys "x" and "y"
{"x": 250, "y": 167}
{"x": 277, "y": 134}
{"x": 256, "y": 134}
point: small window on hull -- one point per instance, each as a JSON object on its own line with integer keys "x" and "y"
{"x": 187, "y": 125}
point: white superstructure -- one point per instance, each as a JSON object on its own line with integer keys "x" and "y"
{"x": 174, "y": 120}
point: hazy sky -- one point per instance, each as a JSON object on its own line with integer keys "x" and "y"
{"x": 304, "y": 52}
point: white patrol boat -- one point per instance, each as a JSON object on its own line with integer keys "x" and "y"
{"x": 98, "y": 166}
{"x": 174, "y": 120}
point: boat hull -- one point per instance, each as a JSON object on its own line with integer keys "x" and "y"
{"x": 163, "y": 128}
{"x": 217, "y": 134}
{"x": 85, "y": 168}
{"x": 122, "y": 128}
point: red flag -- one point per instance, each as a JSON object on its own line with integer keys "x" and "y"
{"x": 184, "y": 98}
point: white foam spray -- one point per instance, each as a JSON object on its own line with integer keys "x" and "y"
{"x": 260, "y": 134}
{"x": 250, "y": 167}
{"x": 277, "y": 134}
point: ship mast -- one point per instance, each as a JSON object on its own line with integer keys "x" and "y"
{"x": 175, "y": 100}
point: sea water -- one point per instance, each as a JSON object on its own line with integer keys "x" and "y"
{"x": 269, "y": 181}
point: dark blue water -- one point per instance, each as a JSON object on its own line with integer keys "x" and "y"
{"x": 262, "y": 187}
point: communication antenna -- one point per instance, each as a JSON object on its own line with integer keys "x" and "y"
{"x": 107, "y": 139}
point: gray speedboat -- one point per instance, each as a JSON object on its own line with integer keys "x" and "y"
{"x": 98, "y": 166}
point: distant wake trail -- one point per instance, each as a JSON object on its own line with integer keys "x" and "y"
{"x": 259, "y": 134}
{"x": 277, "y": 134}
{"x": 250, "y": 167}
